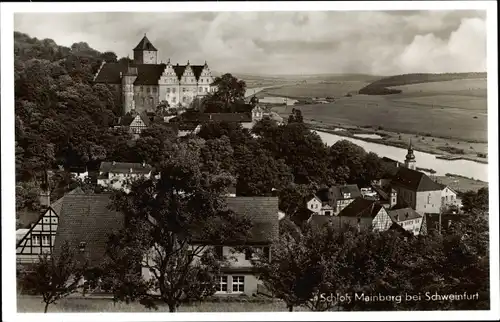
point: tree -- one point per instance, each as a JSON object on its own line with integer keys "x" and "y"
{"x": 293, "y": 201}
{"x": 259, "y": 172}
{"x": 296, "y": 116}
{"x": 173, "y": 220}
{"x": 54, "y": 277}
{"x": 291, "y": 274}
{"x": 229, "y": 91}
{"x": 476, "y": 202}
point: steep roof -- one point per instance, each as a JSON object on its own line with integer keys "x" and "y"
{"x": 56, "y": 206}
{"x": 263, "y": 212}
{"x": 403, "y": 214}
{"x": 86, "y": 218}
{"x": 334, "y": 193}
{"x": 124, "y": 167}
{"x": 361, "y": 207}
{"x": 415, "y": 180}
{"x": 147, "y": 74}
{"x": 145, "y": 44}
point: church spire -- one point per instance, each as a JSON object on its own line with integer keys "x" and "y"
{"x": 410, "y": 157}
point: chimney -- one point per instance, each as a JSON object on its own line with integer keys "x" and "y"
{"x": 131, "y": 170}
{"x": 143, "y": 164}
{"x": 406, "y": 216}
{"x": 396, "y": 217}
{"x": 121, "y": 75}
{"x": 114, "y": 162}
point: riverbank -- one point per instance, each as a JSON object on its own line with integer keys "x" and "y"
{"x": 441, "y": 147}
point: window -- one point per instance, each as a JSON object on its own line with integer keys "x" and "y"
{"x": 148, "y": 90}
{"x": 238, "y": 284}
{"x": 45, "y": 240}
{"x": 35, "y": 240}
{"x": 184, "y": 98}
{"x": 173, "y": 99}
{"x": 173, "y": 90}
{"x": 429, "y": 198}
{"x": 327, "y": 213}
{"x": 168, "y": 90}
{"x": 222, "y": 284}
{"x": 206, "y": 90}
{"x": 154, "y": 89}
{"x": 82, "y": 246}
{"x": 183, "y": 89}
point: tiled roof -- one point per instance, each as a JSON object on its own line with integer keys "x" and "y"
{"x": 332, "y": 194}
{"x": 126, "y": 120}
{"x": 361, "y": 207}
{"x": 26, "y": 218}
{"x": 147, "y": 74}
{"x": 145, "y": 44}
{"x": 403, "y": 214}
{"x": 263, "y": 211}
{"x": 415, "y": 180}
{"x": 56, "y": 206}
{"x": 124, "y": 167}
{"x": 264, "y": 214}
{"x": 86, "y": 218}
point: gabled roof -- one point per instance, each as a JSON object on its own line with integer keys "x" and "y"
{"x": 56, "y": 206}
{"x": 403, "y": 214}
{"x": 361, "y": 208}
{"x": 415, "y": 180}
{"x": 263, "y": 212}
{"x": 124, "y": 167}
{"x": 334, "y": 193}
{"x": 147, "y": 74}
{"x": 86, "y": 218}
{"x": 145, "y": 44}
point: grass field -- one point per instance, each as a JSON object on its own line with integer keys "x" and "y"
{"x": 451, "y": 109}
{"x": 30, "y": 304}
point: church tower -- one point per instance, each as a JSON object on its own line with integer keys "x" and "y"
{"x": 410, "y": 161}
{"x": 145, "y": 52}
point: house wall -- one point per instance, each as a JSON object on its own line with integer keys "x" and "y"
{"x": 314, "y": 205}
{"x": 30, "y": 247}
{"x": 412, "y": 225}
{"x": 238, "y": 266}
{"x": 120, "y": 180}
{"x": 428, "y": 202}
{"x": 382, "y": 221}
{"x": 449, "y": 198}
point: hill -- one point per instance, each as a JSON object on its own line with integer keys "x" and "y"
{"x": 382, "y": 86}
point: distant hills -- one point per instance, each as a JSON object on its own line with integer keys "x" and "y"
{"x": 382, "y": 86}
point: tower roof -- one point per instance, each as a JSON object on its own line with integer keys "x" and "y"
{"x": 145, "y": 44}
{"x": 410, "y": 155}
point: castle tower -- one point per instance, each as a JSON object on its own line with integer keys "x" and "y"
{"x": 410, "y": 161}
{"x": 145, "y": 52}
{"x": 128, "y": 79}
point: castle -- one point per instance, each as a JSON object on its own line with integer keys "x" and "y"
{"x": 144, "y": 84}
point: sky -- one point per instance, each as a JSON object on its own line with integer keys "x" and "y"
{"x": 270, "y": 43}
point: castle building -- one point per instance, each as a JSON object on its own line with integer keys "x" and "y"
{"x": 410, "y": 161}
{"x": 144, "y": 83}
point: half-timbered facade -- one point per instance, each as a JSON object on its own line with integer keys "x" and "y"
{"x": 40, "y": 238}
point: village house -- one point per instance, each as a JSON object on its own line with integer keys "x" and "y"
{"x": 365, "y": 214}
{"x": 135, "y": 123}
{"x": 330, "y": 201}
{"x": 407, "y": 218}
{"x": 416, "y": 190}
{"x": 86, "y": 223}
{"x": 40, "y": 238}
{"x": 119, "y": 175}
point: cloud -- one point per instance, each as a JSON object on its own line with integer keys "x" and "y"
{"x": 371, "y": 42}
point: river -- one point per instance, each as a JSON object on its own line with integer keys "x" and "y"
{"x": 465, "y": 168}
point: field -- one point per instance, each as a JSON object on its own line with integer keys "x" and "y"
{"x": 462, "y": 184}
{"x": 30, "y": 304}
{"x": 451, "y": 109}
{"x": 313, "y": 90}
